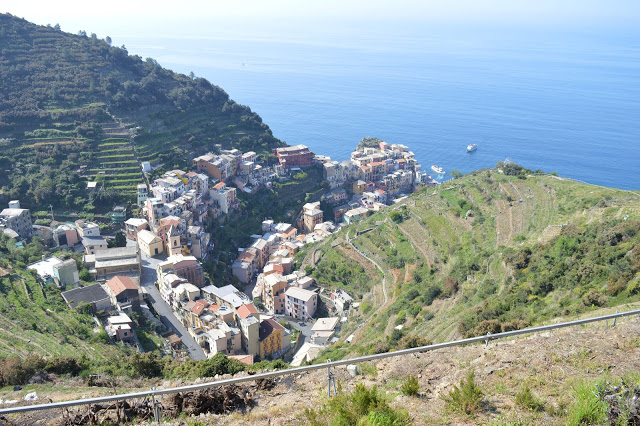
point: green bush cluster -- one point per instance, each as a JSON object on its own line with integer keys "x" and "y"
{"x": 17, "y": 371}
{"x": 526, "y": 399}
{"x": 411, "y": 386}
{"x": 593, "y": 266}
{"x": 466, "y": 398}
{"x": 363, "y": 406}
{"x": 587, "y": 408}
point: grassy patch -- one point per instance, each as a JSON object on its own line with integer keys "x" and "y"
{"x": 587, "y": 407}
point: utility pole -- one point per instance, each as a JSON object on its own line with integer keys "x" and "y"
{"x": 51, "y": 208}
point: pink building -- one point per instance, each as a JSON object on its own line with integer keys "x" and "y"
{"x": 300, "y": 303}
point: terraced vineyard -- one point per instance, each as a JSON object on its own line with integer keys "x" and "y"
{"x": 487, "y": 252}
{"x": 68, "y": 122}
{"x": 34, "y": 319}
{"x": 115, "y": 163}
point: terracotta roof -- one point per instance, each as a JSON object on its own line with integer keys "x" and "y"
{"x": 245, "y": 359}
{"x": 247, "y": 256}
{"x": 219, "y": 185}
{"x": 120, "y": 283}
{"x": 199, "y": 306}
{"x": 246, "y": 310}
{"x": 277, "y": 267}
{"x": 165, "y": 225}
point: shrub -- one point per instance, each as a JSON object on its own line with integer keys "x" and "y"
{"x": 485, "y": 327}
{"x": 363, "y": 406}
{"x": 395, "y": 337}
{"x": 526, "y": 399}
{"x": 408, "y": 342}
{"x": 467, "y": 398}
{"x": 219, "y": 364}
{"x": 634, "y": 288}
{"x": 450, "y": 287}
{"x": 410, "y": 387}
{"x": 147, "y": 364}
{"x": 587, "y": 408}
{"x": 515, "y": 325}
{"x": 414, "y": 310}
{"x": 396, "y": 216}
{"x": 16, "y": 371}
{"x": 617, "y": 287}
{"x": 63, "y": 365}
{"x": 84, "y": 275}
{"x": 593, "y": 298}
{"x": 428, "y": 315}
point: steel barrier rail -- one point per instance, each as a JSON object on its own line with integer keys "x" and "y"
{"x": 327, "y": 365}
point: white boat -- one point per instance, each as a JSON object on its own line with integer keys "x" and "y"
{"x": 439, "y": 170}
{"x": 472, "y": 147}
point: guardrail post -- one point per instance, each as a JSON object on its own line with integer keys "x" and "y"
{"x": 486, "y": 342}
{"x": 156, "y": 407}
{"x": 613, "y": 324}
{"x": 331, "y": 380}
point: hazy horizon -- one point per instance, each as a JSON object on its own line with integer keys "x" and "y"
{"x": 288, "y": 18}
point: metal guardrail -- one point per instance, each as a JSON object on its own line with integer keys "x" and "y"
{"x": 328, "y": 365}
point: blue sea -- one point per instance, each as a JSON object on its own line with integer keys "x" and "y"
{"x": 559, "y": 101}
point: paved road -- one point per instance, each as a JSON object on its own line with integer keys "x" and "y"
{"x": 165, "y": 312}
{"x": 295, "y": 323}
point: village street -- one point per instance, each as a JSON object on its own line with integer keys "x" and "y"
{"x": 147, "y": 281}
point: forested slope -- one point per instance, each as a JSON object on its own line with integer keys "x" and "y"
{"x": 73, "y": 108}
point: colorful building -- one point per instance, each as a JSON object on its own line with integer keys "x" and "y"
{"x": 273, "y": 339}
{"x": 294, "y": 156}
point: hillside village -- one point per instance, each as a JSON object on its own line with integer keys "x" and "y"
{"x": 157, "y": 271}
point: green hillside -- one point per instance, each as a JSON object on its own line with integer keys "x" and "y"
{"x": 489, "y": 252}
{"x": 34, "y": 320}
{"x": 74, "y": 109}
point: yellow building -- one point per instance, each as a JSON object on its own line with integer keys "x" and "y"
{"x": 358, "y": 187}
{"x": 312, "y": 215}
{"x": 273, "y": 338}
{"x": 150, "y": 243}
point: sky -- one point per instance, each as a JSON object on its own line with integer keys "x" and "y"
{"x": 122, "y": 18}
